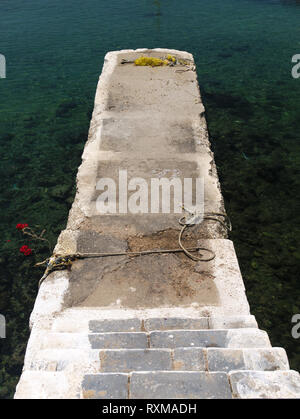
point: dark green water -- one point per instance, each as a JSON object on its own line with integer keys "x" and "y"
{"x": 243, "y": 48}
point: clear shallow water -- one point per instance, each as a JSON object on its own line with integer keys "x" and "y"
{"x": 243, "y": 51}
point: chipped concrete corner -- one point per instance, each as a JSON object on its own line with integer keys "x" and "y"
{"x": 149, "y": 121}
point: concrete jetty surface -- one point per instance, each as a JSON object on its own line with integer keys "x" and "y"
{"x": 158, "y": 325}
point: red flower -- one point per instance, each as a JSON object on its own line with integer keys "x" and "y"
{"x": 25, "y": 250}
{"x": 20, "y": 226}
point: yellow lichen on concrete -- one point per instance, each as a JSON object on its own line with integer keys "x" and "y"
{"x": 155, "y": 62}
{"x": 151, "y": 61}
{"x": 171, "y": 58}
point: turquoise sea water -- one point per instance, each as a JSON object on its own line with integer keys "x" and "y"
{"x": 243, "y": 50}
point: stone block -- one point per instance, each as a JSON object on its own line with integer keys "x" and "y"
{"x": 188, "y": 338}
{"x": 225, "y": 359}
{"x": 189, "y": 359}
{"x": 119, "y": 340}
{"x": 179, "y": 385}
{"x": 247, "y": 338}
{"x": 127, "y": 360}
{"x": 232, "y": 322}
{"x": 173, "y": 323}
{"x": 112, "y": 325}
{"x": 105, "y": 386}
{"x": 266, "y": 359}
{"x": 265, "y": 384}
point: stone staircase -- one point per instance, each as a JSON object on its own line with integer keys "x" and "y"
{"x": 166, "y": 358}
{"x": 184, "y": 358}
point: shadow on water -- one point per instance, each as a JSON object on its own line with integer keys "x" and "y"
{"x": 154, "y": 14}
{"x": 290, "y": 2}
{"x": 235, "y": 104}
{"x": 280, "y": 2}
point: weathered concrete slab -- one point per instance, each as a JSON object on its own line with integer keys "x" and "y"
{"x": 179, "y": 385}
{"x": 146, "y": 281}
{"x": 162, "y": 281}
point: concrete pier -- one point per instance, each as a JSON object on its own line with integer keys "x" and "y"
{"x": 161, "y": 324}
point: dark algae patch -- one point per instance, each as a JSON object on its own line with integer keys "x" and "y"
{"x": 260, "y": 183}
{"x": 243, "y": 51}
{"x": 38, "y": 186}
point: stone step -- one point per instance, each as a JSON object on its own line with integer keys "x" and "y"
{"x": 193, "y": 359}
{"x": 192, "y": 385}
{"x": 222, "y": 338}
{"x": 265, "y": 385}
{"x": 175, "y": 323}
{"x": 232, "y": 338}
{"x": 156, "y": 385}
{"x": 179, "y": 359}
{"x": 83, "y": 320}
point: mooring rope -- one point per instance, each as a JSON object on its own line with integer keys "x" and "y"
{"x": 60, "y": 262}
